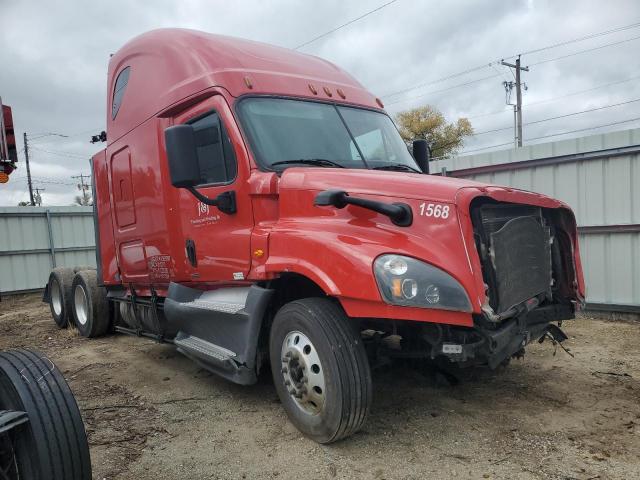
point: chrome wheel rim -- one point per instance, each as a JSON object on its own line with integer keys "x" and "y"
{"x": 56, "y": 297}
{"x": 81, "y": 304}
{"x": 303, "y": 373}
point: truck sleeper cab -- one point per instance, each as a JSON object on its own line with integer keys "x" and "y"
{"x": 257, "y": 206}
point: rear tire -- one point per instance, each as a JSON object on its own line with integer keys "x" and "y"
{"x": 320, "y": 369}
{"x": 52, "y": 445}
{"x": 61, "y": 299}
{"x": 90, "y": 305}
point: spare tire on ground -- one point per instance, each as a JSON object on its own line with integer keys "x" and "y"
{"x": 41, "y": 431}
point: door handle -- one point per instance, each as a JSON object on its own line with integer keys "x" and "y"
{"x": 190, "y": 247}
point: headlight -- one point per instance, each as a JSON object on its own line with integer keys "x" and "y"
{"x": 410, "y": 282}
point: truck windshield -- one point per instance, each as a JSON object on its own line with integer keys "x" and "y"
{"x": 285, "y": 132}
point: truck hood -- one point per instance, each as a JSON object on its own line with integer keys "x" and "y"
{"x": 379, "y": 182}
{"x": 399, "y": 185}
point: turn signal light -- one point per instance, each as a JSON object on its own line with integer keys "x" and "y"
{"x": 396, "y": 287}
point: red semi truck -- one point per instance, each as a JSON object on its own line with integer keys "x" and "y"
{"x": 256, "y": 206}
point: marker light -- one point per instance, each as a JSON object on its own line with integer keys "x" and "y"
{"x": 396, "y": 287}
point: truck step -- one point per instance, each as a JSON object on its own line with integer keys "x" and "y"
{"x": 199, "y": 347}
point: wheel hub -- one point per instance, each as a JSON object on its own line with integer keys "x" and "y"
{"x": 56, "y": 297}
{"x": 302, "y": 372}
{"x": 81, "y": 304}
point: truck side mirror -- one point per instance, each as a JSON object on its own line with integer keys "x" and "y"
{"x": 422, "y": 154}
{"x": 182, "y": 156}
{"x": 182, "y": 143}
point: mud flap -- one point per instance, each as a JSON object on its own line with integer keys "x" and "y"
{"x": 557, "y": 334}
{"x": 46, "y": 295}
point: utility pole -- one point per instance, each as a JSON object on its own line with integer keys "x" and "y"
{"x": 38, "y": 197}
{"x": 26, "y": 158}
{"x": 84, "y": 187}
{"x": 518, "y": 106}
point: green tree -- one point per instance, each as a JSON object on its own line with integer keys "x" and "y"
{"x": 428, "y": 123}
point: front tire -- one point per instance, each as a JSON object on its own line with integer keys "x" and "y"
{"x": 320, "y": 369}
{"x": 90, "y": 305}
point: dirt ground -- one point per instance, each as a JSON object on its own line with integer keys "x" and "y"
{"x": 152, "y": 414}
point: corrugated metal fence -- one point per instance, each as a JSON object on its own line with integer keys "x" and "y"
{"x": 33, "y": 240}
{"x": 599, "y": 177}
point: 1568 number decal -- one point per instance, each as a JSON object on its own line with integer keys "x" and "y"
{"x": 436, "y": 210}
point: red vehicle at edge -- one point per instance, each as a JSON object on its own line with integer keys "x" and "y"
{"x": 8, "y": 151}
{"x": 257, "y": 206}
{"x": 41, "y": 431}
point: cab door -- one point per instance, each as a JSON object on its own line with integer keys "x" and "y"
{"x": 216, "y": 244}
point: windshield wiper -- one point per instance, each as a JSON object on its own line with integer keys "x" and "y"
{"x": 399, "y": 167}
{"x": 320, "y": 162}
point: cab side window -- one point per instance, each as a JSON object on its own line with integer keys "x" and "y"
{"x": 118, "y": 91}
{"x": 216, "y": 157}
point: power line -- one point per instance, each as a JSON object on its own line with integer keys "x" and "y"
{"x": 36, "y": 136}
{"x": 550, "y": 135}
{"x": 579, "y": 39}
{"x": 580, "y": 92}
{"x": 478, "y": 149}
{"x": 63, "y": 139}
{"x": 548, "y": 47}
{"x": 51, "y": 182}
{"x": 584, "y": 129}
{"x": 62, "y": 154}
{"x": 586, "y": 51}
{"x": 481, "y": 79}
{"x": 560, "y": 116}
{"x": 547, "y": 100}
{"x": 441, "y": 79}
{"x": 496, "y": 75}
{"x": 344, "y": 25}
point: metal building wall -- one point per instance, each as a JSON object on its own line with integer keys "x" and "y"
{"x": 33, "y": 240}
{"x": 599, "y": 177}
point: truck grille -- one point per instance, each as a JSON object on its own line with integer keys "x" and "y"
{"x": 516, "y": 251}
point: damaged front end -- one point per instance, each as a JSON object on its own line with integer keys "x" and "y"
{"x": 528, "y": 261}
{"x": 530, "y": 280}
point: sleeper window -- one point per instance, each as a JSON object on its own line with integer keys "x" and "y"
{"x": 215, "y": 153}
{"x": 118, "y": 91}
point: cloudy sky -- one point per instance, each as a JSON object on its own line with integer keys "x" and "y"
{"x": 53, "y": 62}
